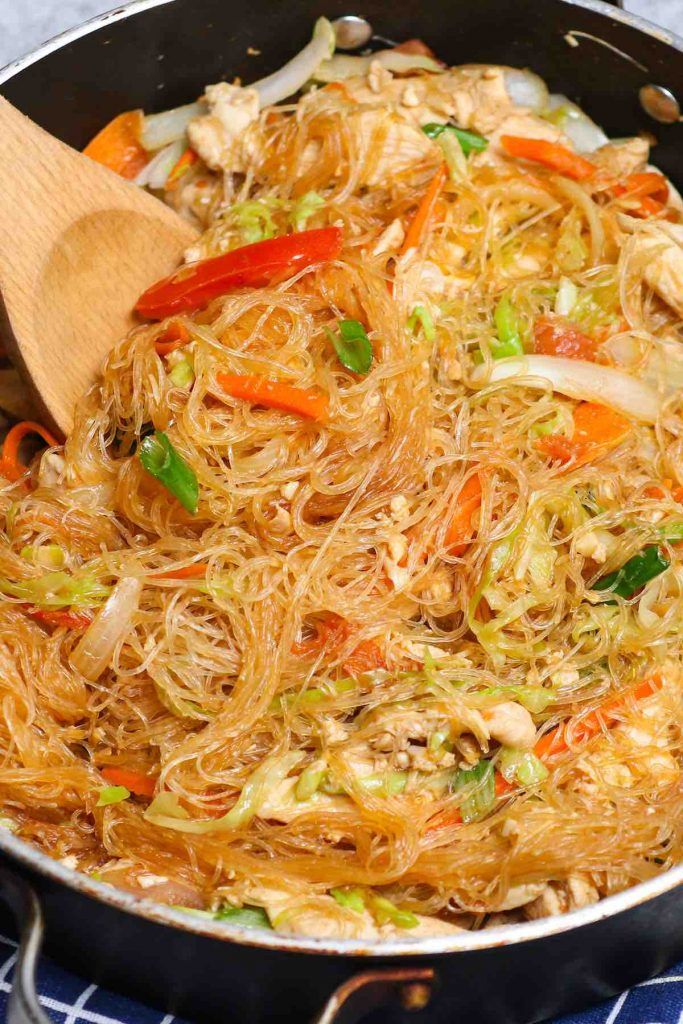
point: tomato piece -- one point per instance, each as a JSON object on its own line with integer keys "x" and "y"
{"x": 251, "y": 266}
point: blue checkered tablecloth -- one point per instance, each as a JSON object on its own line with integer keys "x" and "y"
{"x": 69, "y": 999}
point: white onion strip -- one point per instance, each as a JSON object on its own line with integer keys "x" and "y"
{"x": 160, "y": 166}
{"x": 344, "y": 65}
{"x": 158, "y": 130}
{"x": 110, "y": 625}
{"x": 296, "y": 72}
{"x": 578, "y": 379}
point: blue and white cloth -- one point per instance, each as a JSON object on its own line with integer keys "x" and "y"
{"x": 70, "y": 1000}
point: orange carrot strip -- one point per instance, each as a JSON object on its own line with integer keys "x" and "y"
{"x": 332, "y": 631}
{"x": 597, "y": 429}
{"x": 458, "y": 535}
{"x": 309, "y": 402}
{"x": 196, "y": 571}
{"x": 187, "y": 160}
{"x": 582, "y": 728}
{"x": 555, "y": 336}
{"x": 135, "y": 782}
{"x": 118, "y": 145}
{"x": 174, "y": 336}
{"x": 60, "y": 617}
{"x": 424, "y": 212}
{"x": 550, "y": 154}
{"x": 10, "y": 466}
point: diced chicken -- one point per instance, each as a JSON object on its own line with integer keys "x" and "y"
{"x": 400, "y": 508}
{"x": 559, "y": 897}
{"x": 218, "y": 136}
{"x": 520, "y": 895}
{"x": 581, "y": 892}
{"x": 594, "y": 544}
{"x": 391, "y": 238}
{"x": 289, "y": 490}
{"x": 549, "y": 903}
{"x": 510, "y": 724}
{"x": 622, "y": 158}
{"x": 659, "y": 248}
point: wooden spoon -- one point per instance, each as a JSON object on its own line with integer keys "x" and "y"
{"x": 78, "y": 245}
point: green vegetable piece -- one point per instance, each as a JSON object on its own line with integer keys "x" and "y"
{"x": 635, "y": 573}
{"x": 470, "y": 142}
{"x": 254, "y": 218}
{"x": 308, "y": 782}
{"x": 50, "y": 556}
{"x": 481, "y": 791}
{"x": 522, "y": 766}
{"x": 385, "y": 783}
{"x": 385, "y": 911}
{"x": 182, "y": 374}
{"x": 508, "y": 330}
{"x": 163, "y": 462}
{"x": 58, "y": 590}
{"x": 112, "y": 795}
{"x": 422, "y": 314}
{"x": 352, "y": 898}
{"x": 304, "y": 208}
{"x": 247, "y": 917}
{"x": 352, "y": 346}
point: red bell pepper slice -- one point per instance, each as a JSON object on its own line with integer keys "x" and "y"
{"x": 251, "y": 266}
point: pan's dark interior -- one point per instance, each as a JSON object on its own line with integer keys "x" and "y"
{"x": 164, "y": 56}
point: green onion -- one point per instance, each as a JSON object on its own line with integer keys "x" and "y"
{"x": 248, "y": 917}
{"x": 112, "y": 795}
{"x": 521, "y": 765}
{"x": 385, "y": 783}
{"x": 671, "y": 532}
{"x": 308, "y": 782}
{"x": 481, "y": 792}
{"x": 422, "y": 314}
{"x": 182, "y": 374}
{"x": 353, "y": 898}
{"x": 470, "y": 142}
{"x": 163, "y": 462}
{"x": 352, "y": 346}
{"x": 304, "y": 208}
{"x": 508, "y": 330}
{"x": 58, "y": 590}
{"x": 385, "y": 911}
{"x": 50, "y": 556}
{"x": 635, "y": 573}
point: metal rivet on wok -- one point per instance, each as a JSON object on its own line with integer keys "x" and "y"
{"x": 660, "y": 103}
{"x": 415, "y": 995}
{"x": 352, "y": 32}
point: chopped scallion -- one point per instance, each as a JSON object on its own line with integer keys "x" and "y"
{"x": 163, "y": 462}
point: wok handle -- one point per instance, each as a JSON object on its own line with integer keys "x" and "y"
{"x": 24, "y": 1006}
{"x": 412, "y": 986}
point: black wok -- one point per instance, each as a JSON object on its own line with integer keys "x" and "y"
{"x": 156, "y": 55}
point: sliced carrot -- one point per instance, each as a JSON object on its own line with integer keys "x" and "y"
{"x": 135, "y": 782}
{"x": 188, "y": 159}
{"x": 60, "y": 617}
{"x": 584, "y": 727}
{"x": 331, "y": 632}
{"x": 118, "y": 145}
{"x": 196, "y": 571}
{"x": 659, "y": 491}
{"x": 550, "y": 154}
{"x": 458, "y": 536}
{"x": 309, "y": 402}
{"x": 555, "y": 336}
{"x": 425, "y": 210}
{"x": 10, "y": 466}
{"x": 174, "y": 336}
{"x": 597, "y": 429}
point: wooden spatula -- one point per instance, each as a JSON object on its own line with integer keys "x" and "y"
{"x": 78, "y": 245}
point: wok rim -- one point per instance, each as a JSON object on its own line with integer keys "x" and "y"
{"x": 30, "y": 857}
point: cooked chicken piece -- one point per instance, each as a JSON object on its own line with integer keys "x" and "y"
{"x": 581, "y": 892}
{"x": 660, "y": 248}
{"x": 520, "y": 895}
{"x": 391, "y": 238}
{"x": 549, "y": 903}
{"x": 510, "y": 724}
{"x": 218, "y": 136}
{"x": 559, "y": 897}
{"x": 622, "y": 158}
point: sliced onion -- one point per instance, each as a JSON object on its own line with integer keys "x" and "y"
{"x": 343, "y": 66}
{"x": 296, "y": 72}
{"x": 584, "y": 381}
{"x": 160, "y": 166}
{"x": 160, "y": 129}
{"x": 526, "y": 89}
{"x": 111, "y": 623}
{"x": 584, "y": 133}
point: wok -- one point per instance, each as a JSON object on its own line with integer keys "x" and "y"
{"x": 157, "y": 54}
